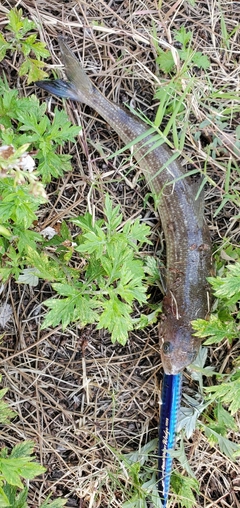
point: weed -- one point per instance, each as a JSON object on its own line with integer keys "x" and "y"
{"x": 112, "y": 278}
{"x": 18, "y": 465}
{"x": 18, "y": 40}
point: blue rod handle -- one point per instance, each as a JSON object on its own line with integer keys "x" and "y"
{"x": 171, "y": 397}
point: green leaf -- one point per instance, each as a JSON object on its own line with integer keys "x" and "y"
{"x": 228, "y": 288}
{"x": 165, "y": 61}
{"x": 22, "y": 449}
{"x": 180, "y": 455}
{"x": 86, "y": 222}
{"x": 76, "y": 307}
{"x": 10, "y": 471}
{"x": 33, "y": 69}
{"x": 94, "y": 242}
{"x": 6, "y": 414}
{"x": 200, "y": 60}
{"x": 30, "y": 44}
{"x": 4, "y": 501}
{"x": 189, "y": 416}
{"x": 4, "y": 46}
{"x": 216, "y": 329}
{"x": 184, "y": 486}
{"x": 61, "y": 129}
{"x": 14, "y": 468}
{"x": 52, "y": 164}
{"x": 114, "y": 218}
{"x": 17, "y": 24}
{"x": 20, "y": 499}
{"x": 228, "y": 393}
{"x": 226, "y": 446}
{"x": 224, "y": 421}
{"x": 113, "y": 276}
{"x": 16, "y": 500}
{"x": 57, "y": 503}
{"x": 137, "y": 232}
{"x": 183, "y": 36}
{"x": 15, "y": 20}
{"x": 116, "y": 318}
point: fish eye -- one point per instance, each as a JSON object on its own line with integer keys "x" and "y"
{"x": 167, "y": 347}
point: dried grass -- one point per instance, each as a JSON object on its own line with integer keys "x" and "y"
{"x": 78, "y": 396}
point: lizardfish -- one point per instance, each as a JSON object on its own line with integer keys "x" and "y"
{"x": 187, "y": 244}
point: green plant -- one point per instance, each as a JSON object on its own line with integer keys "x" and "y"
{"x": 18, "y": 40}
{"x": 27, "y": 135}
{"x": 5, "y": 412}
{"x": 138, "y": 474}
{"x": 191, "y": 58}
{"x": 222, "y": 324}
{"x": 26, "y": 126}
{"x": 111, "y": 280}
{"x": 18, "y": 465}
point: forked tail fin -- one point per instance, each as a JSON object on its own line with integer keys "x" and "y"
{"x": 79, "y": 87}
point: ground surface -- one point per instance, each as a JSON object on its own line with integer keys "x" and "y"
{"x": 80, "y": 398}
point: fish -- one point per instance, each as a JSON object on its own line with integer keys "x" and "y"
{"x": 187, "y": 238}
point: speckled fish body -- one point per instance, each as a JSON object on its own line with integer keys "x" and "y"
{"x": 187, "y": 244}
{"x": 171, "y": 397}
{"x": 186, "y": 235}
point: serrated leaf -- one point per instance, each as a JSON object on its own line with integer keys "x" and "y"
{"x": 17, "y": 24}
{"x": 200, "y": 60}
{"x": 8, "y": 470}
{"x": 224, "y": 419}
{"x": 94, "y": 242}
{"x": 116, "y": 318}
{"x": 216, "y": 329}
{"x": 165, "y": 61}
{"x": 66, "y": 290}
{"x": 113, "y": 215}
{"x": 20, "y": 499}
{"x": 151, "y": 268}
{"x": 183, "y": 36}
{"x": 5, "y": 412}
{"x": 188, "y": 416}
{"x": 22, "y": 449}
{"x": 31, "y": 469}
{"x": 71, "y": 309}
{"x": 86, "y": 223}
{"x": 33, "y": 69}
{"x": 227, "y": 288}
{"x": 228, "y": 393}
{"x": 14, "y": 468}
{"x": 137, "y": 232}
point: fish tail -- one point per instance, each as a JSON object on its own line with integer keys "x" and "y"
{"x": 171, "y": 395}
{"x": 78, "y": 87}
{"x": 60, "y": 88}
{"x": 75, "y": 72}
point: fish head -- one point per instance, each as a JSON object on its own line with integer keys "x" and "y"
{"x": 178, "y": 346}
